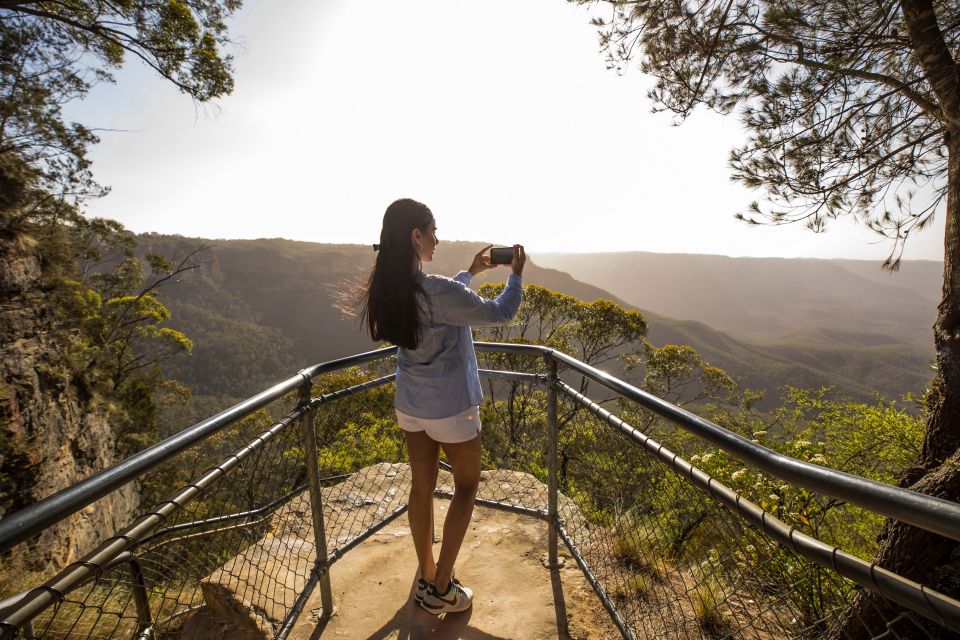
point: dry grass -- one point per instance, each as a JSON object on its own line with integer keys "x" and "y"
{"x": 707, "y": 599}
{"x": 632, "y": 547}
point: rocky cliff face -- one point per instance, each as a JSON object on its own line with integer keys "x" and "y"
{"x": 51, "y": 434}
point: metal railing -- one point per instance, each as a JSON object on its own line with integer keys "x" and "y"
{"x": 252, "y": 512}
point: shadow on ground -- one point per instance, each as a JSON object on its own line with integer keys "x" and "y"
{"x": 502, "y": 560}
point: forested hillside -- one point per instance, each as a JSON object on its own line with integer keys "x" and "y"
{"x": 258, "y": 310}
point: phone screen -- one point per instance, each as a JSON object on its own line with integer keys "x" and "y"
{"x": 501, "y": 255}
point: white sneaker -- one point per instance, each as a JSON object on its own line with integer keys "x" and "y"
{"x": 457, "y": 598}
{"x": 421, "y": 588}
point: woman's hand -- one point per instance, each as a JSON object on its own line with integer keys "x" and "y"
{"x": 481, "y": 262}
{"x": 519, "y": 259}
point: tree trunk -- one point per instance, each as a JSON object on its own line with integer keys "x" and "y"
{"x": 925, "y": 557}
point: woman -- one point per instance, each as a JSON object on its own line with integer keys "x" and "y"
{"x": 438, "y": 387}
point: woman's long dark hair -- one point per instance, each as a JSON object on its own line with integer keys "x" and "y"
{"x": 393, "y": 295}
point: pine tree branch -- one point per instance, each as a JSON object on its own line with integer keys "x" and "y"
{"x": 713, "y": 48}
{"x": 800, "y": 58}
{"x": 895, "y": 83}
{"x": 16, "y": 5}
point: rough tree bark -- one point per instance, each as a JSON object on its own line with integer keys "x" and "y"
{"x": 916, "y": 554}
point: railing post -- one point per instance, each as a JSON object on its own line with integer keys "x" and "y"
{"x": 322, "y": 565}
{"x": 140, "y": 596}
{"x": 553, "y": 517}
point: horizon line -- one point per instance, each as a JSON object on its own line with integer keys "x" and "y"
{"x": 543, "y": 252}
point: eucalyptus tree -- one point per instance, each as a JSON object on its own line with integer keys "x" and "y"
{"x": 94, "y": 299}
{"x": 851, "y": 109}
{"x": 598, "y": 333}
{"x": 52, "y": 52}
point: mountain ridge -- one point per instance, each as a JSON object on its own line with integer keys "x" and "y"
{"x": 774, "y": 300}
{"x": 260, "y": 309}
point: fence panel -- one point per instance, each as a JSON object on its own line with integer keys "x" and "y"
{"x": 673, "y": 554}
{"x": 674, "y": 548}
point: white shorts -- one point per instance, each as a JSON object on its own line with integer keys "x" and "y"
{"x": 457, "y": 428}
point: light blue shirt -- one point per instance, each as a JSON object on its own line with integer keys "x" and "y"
{"x": 439, "y": 378}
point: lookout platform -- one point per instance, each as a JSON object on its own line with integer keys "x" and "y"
{"x": 289, "y": 503}
{"x": 503, "y": 559}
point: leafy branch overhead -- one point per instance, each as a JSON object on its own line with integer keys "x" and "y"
{"x": 837, "y": 98}
{"x": 180, "y": 40}
{"x": 52, "y": 52}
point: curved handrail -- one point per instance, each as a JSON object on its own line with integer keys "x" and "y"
{"x": 930, "y": 513}
{"x": 29, "y": 521}
{"x": 916, "y": 597}
{"x": 927, "y": 512}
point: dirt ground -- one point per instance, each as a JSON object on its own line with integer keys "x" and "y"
{"x": 503, "y": 560}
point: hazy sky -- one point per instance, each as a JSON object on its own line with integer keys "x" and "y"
{"x": 500, "y": 116}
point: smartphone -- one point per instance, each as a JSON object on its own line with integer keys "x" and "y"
{"x": 501, "y": 255}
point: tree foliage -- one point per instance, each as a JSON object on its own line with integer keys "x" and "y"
{"x": 595, "y": 332}
{"x": 111, "y": 320}
{"x": 598, "y": 333}
{"x": 851, "y": 108}
{"x": 678, "y": 374}
{"x": 119, "y": 311}
{"x": 52, "y": 52}
{"x": 842, "y": 118}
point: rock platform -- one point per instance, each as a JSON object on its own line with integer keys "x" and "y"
{"x": 503, "y": 559}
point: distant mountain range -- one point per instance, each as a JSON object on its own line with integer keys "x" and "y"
{"x": 802, "y": 301}
{"x": 259, "y": 310}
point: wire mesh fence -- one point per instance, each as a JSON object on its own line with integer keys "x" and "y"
{"x": 671, "y": 551}
{"x": 229, "y": 492}
{"x": 232, "y": 551}
{"x": 670, "y": 548}
{"x": 670, "y": 559}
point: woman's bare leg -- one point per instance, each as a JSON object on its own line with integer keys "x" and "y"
{"x": 424, "y": 454}
{"x": 464, "y": 457}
